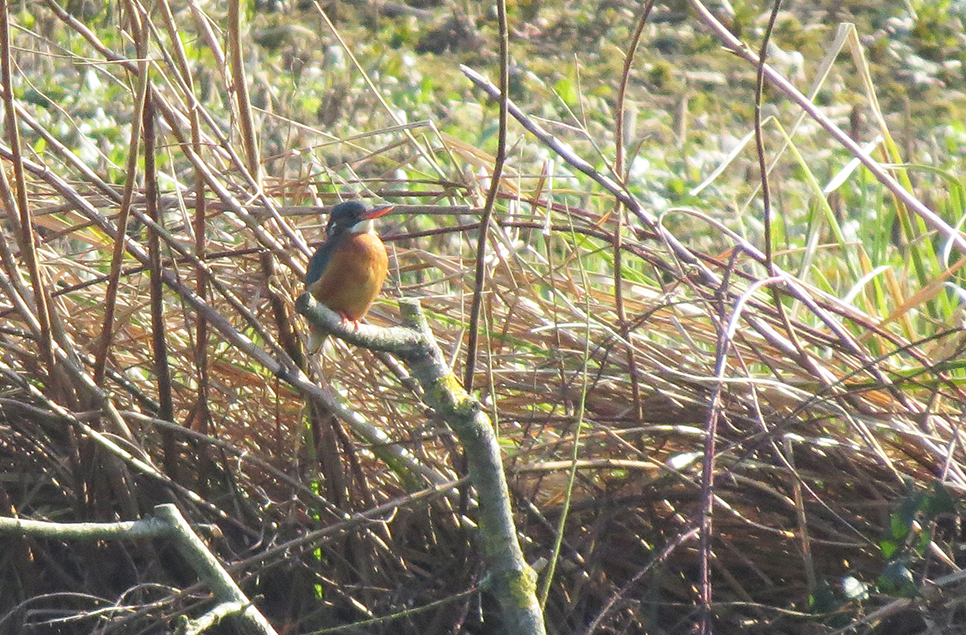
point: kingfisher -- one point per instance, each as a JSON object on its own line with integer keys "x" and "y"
{"x": 347, "y": 271}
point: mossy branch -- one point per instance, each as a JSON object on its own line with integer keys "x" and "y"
{"x": 512, "y": 581}
{"x": 166, "y": 523}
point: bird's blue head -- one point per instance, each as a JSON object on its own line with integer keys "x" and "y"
{"x": 351, "y": 216}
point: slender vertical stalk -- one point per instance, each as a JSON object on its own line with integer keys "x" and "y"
{"x": 25, "y": 235}
{"x": 140, "y": 35}
{"x": 480, "y": 273}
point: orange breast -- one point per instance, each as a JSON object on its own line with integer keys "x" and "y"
{"x": 353, "y": 276}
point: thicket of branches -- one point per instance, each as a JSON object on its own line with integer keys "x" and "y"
{"x": 756, "y": 429}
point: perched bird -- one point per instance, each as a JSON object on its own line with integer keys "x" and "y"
{"x": 347, "y": 271}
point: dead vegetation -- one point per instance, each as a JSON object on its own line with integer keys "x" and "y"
{"x": 151, "y": 353}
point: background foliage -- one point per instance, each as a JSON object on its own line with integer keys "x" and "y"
{"x": 822, "y": 389}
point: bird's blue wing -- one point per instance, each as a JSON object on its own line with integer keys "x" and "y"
{"x": 321, "y": 258}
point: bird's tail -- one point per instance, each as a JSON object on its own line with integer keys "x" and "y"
{"x": 316, "y": 340}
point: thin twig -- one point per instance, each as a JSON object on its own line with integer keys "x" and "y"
{"x": 495, "y": 178}
{"x": 200, "y": 412}
{"x": 131, "y": 169}
{"x": 25, "y": 233}
{"x": 759, "y": 138}
{"x": 679, "y": 540}
{"x": 621, "y": 214}
{"x": 239, "y": 84}
{"x": 159, "y": 329}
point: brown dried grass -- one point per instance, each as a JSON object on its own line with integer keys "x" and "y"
{"x": 816, "y": 441}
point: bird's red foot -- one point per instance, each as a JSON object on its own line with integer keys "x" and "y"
{"x": 346, "y": 321}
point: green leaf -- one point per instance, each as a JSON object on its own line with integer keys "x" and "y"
{"x": 896, "y": 579}
{"x": 566, "y": 90}
{"x": 899, "y": 526}
{"x": 32, "y": 96}
{"x": 822, "y": 599}
{"x": 888, "y": 547}
{"x": 938, "y": 501}
{"x": 906, "y": 515}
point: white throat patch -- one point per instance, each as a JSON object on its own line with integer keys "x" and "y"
{"x": 363, "y": 227}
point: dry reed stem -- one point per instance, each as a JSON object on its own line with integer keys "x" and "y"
{"x": 814, "y": 440}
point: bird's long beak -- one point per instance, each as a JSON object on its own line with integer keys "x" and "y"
{"x": 376, "y": 212}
